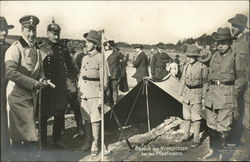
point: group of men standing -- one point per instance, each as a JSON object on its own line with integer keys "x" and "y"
{"x": 31, "y": 68}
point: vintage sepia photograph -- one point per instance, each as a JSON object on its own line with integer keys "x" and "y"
{"x": 125, "y": 80}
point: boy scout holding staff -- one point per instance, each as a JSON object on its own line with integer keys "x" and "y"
{"x": 193, "y": 89}
{"x": 221, "y": 98}
{"x": 91, "y": 76}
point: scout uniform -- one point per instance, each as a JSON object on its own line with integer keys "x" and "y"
{"x": 241, "y": 47}
{"x": 90, "y": 78}
{"x": 141, "y": 65}
{"x": 56, "y": 62}
{"x": 221, "y": 99}
{"x": 193, "y": 91}
{"x": 158, "y": 65}
{"x": 23, "y": 64}
{"x": 5, "y": 141}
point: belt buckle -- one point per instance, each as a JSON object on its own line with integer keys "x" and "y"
{"x": 217, "y": 82}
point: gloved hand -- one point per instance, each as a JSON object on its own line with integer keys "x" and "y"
{"x": 40, "y": 84}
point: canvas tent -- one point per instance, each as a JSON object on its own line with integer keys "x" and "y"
{"x": 163, "y": 102}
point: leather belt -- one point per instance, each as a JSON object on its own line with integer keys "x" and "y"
{"x": 194, "y": 87}
{"x": 90, "y": 79}
{"x": 218, "y": 83}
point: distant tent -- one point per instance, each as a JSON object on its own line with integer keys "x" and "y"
{"x": 163, "y": 102}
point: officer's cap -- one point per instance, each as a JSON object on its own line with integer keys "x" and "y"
{"x": 54, "y": 27}
{"x": 29, "y": 21}
{"x": 4, "y": 25}
{"x": 138, "y": 46}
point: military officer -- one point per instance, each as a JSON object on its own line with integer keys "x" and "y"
{"x": 193, "y": 89}
{"x": 57, "y": 65}
{"x": 23, "y": 63}
{"x": 5, "y": 141}
{"x": 221, "y": 100}
{"x": 158, "y": 64}
{"x": 140, "y": 63}
{"x": 91, "y": 76}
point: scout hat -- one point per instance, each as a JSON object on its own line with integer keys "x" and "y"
{"x": 222, "y": 34}
{"x": 160, "y": 45}
{"x": 205, "y": 55}
{"x": 138, "y": 46}
{"x": 239, "y": 19}
{"x": 54, "y": 27}
{"x": 4, "y": 25}
{"x": 192, "y": 51}
{"x": 93, "y": 36}
{"x": 29, "y": 21}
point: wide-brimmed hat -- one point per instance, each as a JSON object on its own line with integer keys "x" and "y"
{"x": 93, "y": 36}
{"x": 192, "y": 51}
{"x": 222, "y": 34}
{"x": 239, "y": 19}
{"x": 138, "y": 46}
{"x": 29, "y": 21}
{"x": 205, "y": 55}
{"x": 4, "y": 25}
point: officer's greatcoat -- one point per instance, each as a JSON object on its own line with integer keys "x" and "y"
{"x": 57, "y": 63}
{"x": 23, "y": 68}
{"x": 90, "y": 79}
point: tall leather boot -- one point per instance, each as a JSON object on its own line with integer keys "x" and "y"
{"x": 196, "y": 140}
{"x": 185, "y": 136}
{"x": 96, "y": 138}
{"x": 87, "y": 138}
{"x": 213, "y": 153}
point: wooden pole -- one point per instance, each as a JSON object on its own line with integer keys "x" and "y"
{"x": 146, "y": 84}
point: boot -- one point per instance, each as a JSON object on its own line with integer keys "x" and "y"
{"x": 185, "y": 136}
{"x": 243, "y": 154}
{"x": 87, "y": 138}
{"x": 96, "y": 138}
{"x": 196, "y": 140}
{"x": 213, "y": 153}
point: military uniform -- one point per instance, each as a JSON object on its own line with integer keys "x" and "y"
{"x": 56, "y": 63}
{"x": 23, "y": 69}
{"x": 141, "y": 65}
{"x": 158, "y": 66}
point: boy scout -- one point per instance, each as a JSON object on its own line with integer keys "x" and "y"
{"x": 192, "y": 92}
{"x": 5, "y": 141}
{"x": 140, "y": 63}
{"x": 57, "y": 63}
{"x": 158, "y": 64}
{"x": 23, "y": 64}
{"x": 241, "y": 47}
{"x": 91, "y": 76}
{"x": 221, "y": 100}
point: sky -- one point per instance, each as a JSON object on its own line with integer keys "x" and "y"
{"x": 146, "y": 22}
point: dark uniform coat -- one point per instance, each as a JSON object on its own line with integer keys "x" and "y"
{"x": 158, "y": 65}
{"x": 141, "y": 65}
{"x": 56, "y": 62}
{"x": 4, "y": 123}
{"x": 23, "y": 69}
{"x": 113, "y": 63}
